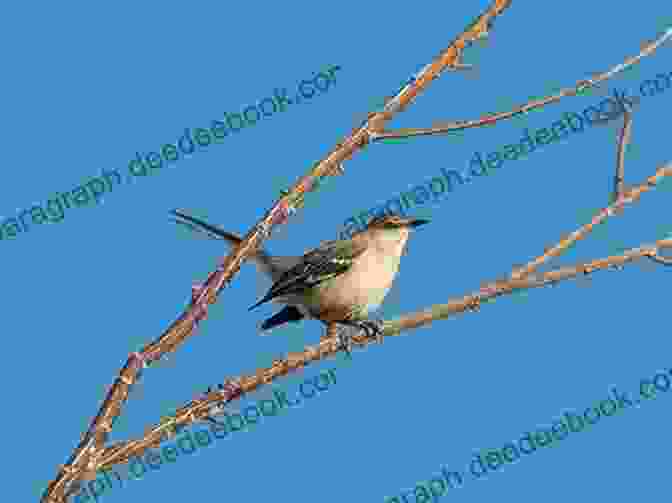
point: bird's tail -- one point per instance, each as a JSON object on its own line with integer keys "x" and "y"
{"x": 273, "y": 267}
{"x": 210, "y": 230}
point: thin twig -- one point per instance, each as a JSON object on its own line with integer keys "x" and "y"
{"x": 632, "y": 195}
{"x": 619, "y": 194}
{"x": 623, "y": 142}
{"x": 498, "y": 288}
{"x": 656, "y": 257}
{"x": 490, "y": 119}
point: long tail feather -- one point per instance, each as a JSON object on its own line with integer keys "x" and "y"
{"x": 271, "y": 266}
{"x": 201, "y": 226}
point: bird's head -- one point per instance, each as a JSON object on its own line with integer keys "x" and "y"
{"x": 391, "y": 222}
{"x": 393, "y": 228}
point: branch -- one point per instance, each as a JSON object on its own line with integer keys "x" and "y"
{"x": 580, "y": 87}
{"x": 86, "y": 455}
{"x": 623, "y": 141}
{"x": 628, "y": 197}
{"x": 498, "y": 288}
{"x": 213, "y": 402}
{"x": 656, "y": 257}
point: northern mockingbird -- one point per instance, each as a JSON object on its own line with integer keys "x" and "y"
{"x": 340, "y": 281}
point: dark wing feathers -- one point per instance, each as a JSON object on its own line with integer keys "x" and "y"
{"x": 327, "y": 261}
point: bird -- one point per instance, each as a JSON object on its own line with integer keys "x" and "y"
{"x": 340, "y": 281}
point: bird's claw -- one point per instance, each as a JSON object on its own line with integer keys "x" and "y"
{"x": 373, "y": 328}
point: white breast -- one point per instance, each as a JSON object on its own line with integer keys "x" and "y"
{"x": 366, "y": 284}
{"x": 375, "y": 273}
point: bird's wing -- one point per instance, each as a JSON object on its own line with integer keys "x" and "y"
{"x": 327, "y": 261}
{"x": 274, "y": 267}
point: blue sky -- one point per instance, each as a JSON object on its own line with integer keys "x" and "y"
{"x": 87, "y": 87}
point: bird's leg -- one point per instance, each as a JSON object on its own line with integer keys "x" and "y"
{"x": 340, "y": 334}
{"x": 334, "y": 332}
{"x": 345, "y": 341}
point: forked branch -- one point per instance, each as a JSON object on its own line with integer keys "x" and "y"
{"x": 620, "y": 198}
{"x": 579, "y": 87}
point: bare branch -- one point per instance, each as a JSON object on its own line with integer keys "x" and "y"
{"x": 632, "y": 196}
{"x": 580, "y": 87}
{"x": 656, "y": 257}
{"x": 498, "y": 288}
{"x": 623, "y": 142}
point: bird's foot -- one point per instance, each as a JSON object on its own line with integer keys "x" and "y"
{"x": 373, "y": 327}
{"x": 345, "y": 342}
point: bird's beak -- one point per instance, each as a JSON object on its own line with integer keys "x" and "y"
{"x": 416, "y": 222}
